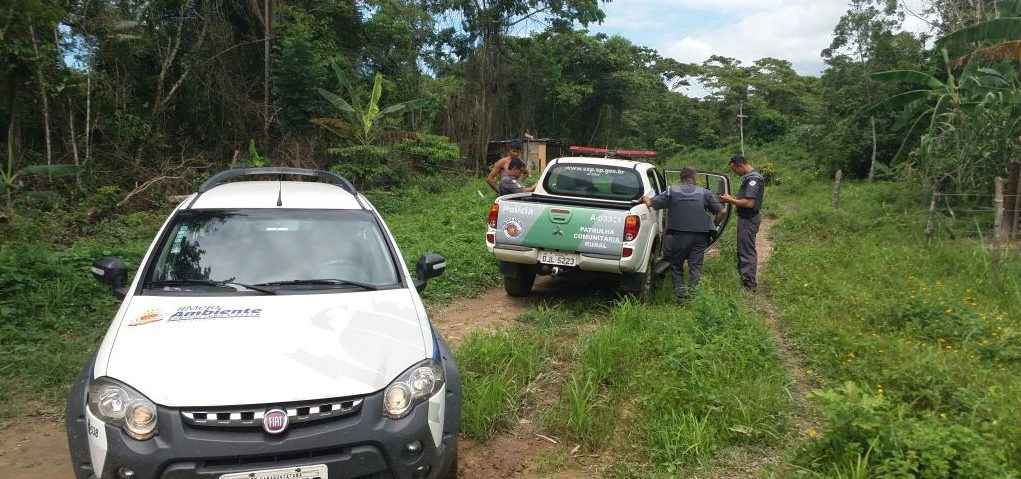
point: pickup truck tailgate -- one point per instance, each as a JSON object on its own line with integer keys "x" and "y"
{"x": 561, "y": 227}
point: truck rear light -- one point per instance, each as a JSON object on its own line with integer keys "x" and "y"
{"x": 627, "y": 252}
{"x": 490, "y": 238}
{"x": 631, "y": 226}
{"x": 494, "y": 212}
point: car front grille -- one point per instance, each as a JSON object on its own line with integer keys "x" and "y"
{"x": 251, "y": 416}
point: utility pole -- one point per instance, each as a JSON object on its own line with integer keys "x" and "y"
{"x": 740, "y": 119}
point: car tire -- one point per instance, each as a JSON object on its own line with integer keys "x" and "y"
{"x": 519, "y": 283}
{"x": 452, "y": 470}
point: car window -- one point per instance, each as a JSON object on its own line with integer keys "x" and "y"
{"x": 594, "y": 181}
{"x": 265, "y": 246}
{"x": 654, "y": 181}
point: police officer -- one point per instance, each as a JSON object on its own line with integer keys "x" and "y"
{"x": 509, "y": 181}
{"x": 689, "y": 227}
{"x": 748, "y": 203}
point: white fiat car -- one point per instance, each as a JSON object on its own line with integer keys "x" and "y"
{"x": 272, "y": 331}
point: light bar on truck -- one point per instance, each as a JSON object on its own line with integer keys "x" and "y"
{"x": 606, "y": 152}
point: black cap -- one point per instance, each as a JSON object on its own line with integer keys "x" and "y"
{"x": 515, "y": 145}
{"x": 738, "y": 160}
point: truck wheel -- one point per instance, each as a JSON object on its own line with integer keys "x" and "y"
{"x": 518, "y": 282}
{"x": 640, "y": 284}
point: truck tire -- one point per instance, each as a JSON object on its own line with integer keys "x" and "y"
{"x": 640, "y": 284}
{"x": 518, "y": 279}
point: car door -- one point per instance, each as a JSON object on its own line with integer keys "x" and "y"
{"x": 719, "y": 184}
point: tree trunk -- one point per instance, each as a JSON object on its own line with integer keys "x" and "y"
{"x": 88, "y": 115}
{"x": 42, "y": 93}
{"x": 267, "y": 31}
{"x": 872, "y": 165}
{"x": 74, "y": 143}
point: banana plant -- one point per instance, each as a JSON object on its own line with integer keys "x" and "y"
{"x": 995, "y": 39}
{"x": 962, "y": 113}
{"x": 9, "y": 176}
{"x": 359, "y": 120}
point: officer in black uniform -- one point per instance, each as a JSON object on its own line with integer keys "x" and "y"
{"x": 689, "y": 227}
{"x": 748, "y": 203}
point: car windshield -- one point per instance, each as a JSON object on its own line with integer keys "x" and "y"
{"x": 594, "y": 181}
{"x": 255, "y": 250}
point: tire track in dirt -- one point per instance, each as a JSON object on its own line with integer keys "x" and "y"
{"x": 513, "y": 453}
{"x": 749, "y": 462}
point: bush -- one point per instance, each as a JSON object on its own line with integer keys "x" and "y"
{"x": 368, "y": 166}
{"x": 865, "y": 427}
{"x": 428, "y": 153}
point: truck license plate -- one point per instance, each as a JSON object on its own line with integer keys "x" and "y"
{"x": 317, "y": 471}
{"x": 558, "y": 259}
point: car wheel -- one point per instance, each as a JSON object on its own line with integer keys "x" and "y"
{"x": 452, "y": 471}
{"x": 520, "y": 283}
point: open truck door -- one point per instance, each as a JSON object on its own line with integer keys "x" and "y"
{"x": 719, "y": 184}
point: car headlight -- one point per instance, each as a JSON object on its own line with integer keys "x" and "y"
{"x": 116, "y": 403}
{"x": 411, "y": 388}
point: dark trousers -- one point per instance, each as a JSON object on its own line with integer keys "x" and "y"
{"x": 747, "y": 257}
{"x": 681, "y": 247}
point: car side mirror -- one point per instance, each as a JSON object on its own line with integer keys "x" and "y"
{"x": 112, "y": 272}
{"x": 430, "y": 265}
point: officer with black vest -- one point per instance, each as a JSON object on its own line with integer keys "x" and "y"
{"x": 689, "y": 228}
{"x": 748, "y": 203}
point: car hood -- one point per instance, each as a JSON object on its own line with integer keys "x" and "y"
{"x": 188, "y": 351}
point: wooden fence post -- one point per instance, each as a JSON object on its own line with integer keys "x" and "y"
{"x": 930, "y": 225}
{"x": 998, "y": 213}
{"x": 836, "y": 188}
{"x": 1013, "y": 199}
{"x": 999, "y": 233}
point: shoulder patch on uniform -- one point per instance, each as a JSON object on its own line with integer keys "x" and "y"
{"x": 753, "y": 183}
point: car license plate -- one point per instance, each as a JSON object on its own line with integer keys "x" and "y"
{"x": 558, "y": 259}
{"x": 317, "y": 471}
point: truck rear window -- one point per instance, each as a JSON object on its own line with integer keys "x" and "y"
{"x": 594, "y": 181}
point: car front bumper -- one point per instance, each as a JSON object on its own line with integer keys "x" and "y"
{"x": 362, "y": 445}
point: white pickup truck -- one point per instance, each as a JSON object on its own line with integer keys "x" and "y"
{"x": 586, "y": 214}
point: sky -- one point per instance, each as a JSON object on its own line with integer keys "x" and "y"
{"x": 692, "y": 30}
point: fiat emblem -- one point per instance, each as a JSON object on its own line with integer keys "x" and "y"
{"x": 274, "y": 421}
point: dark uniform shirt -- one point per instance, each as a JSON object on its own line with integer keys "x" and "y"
{"x": 509, "y": 185}
{"x": 753, "y": 185}
{"x": 687, "y": 206}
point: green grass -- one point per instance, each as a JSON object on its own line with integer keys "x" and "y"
{"x": 447, "y": 217}
{"x": 667, "y": 387}
{"x": 53, "y": 313}
{"x": 916, "y": 343}
{"x": 496, "y": 369}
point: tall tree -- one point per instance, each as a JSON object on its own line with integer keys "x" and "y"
{"x": 480, "y": 39}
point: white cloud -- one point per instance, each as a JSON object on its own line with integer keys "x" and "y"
{"x": 692, "y": 30}
{"x": 795, "y": 30}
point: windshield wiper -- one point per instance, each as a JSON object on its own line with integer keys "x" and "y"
{"x": 327, "y": 281}
{"x": 209, "y": 282}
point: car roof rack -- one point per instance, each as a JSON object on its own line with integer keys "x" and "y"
{"x": 227, "y": 175}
